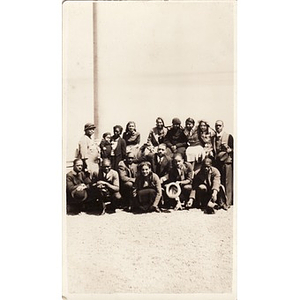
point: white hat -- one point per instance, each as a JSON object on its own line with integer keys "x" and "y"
{"x": 173, "y": 190}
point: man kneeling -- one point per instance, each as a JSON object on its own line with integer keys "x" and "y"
{"x": 207, "y": 191}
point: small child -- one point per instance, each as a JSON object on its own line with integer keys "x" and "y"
{"x": 105, "y": 145}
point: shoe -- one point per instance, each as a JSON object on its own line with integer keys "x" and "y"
{"x": 209, "y": 210}
{"x": 189, "y": 204}
{"x": 225, "y": 206}
{"x": 178, "y": 206}
{"x": 154, "y": 209}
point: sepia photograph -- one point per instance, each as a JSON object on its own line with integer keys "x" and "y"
{"x": 149, "y": 128}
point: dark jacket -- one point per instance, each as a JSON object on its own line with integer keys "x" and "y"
{"x": 161, "y": 169}
{"x": 176, "y": 137}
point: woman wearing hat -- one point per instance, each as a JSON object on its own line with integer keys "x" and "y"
{"x": 206, "y": 135}
{"x": 88, "y": 150}
{"x": 175, "y": 139}
{"x": 194, "y": 152}
{"x": 132, "y": 138}
{"x": 147, "y": 189}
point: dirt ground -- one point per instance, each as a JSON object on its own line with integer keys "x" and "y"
{"x": 178, "y": 252}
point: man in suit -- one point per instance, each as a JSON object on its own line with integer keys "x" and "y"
{"x": 107, "y": 185}
{"x": 182, "y": 174}
{"x": 223, "y": 148}
{"x": 207, "y": 191}
{"x": 78, "y": 185}
{"x": 161, "y": 163}
{"x": 127, "y": 171}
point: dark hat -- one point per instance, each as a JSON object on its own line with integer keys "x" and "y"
{"x": 176, "y": 121}
{"x": 88, "y": 126}
{"x": 222, "y": 156}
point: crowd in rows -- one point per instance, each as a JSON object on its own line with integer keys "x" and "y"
{"x": 177, "y": 168}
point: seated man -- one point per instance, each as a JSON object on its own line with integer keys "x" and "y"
{"x": 107, "y": 185}
{"x": 127, "y": 171}
{"x": 175, "y": 139}
{"x": 207, "y": 191}
{"x": 77, "y": 187}
{"x": 181, "y": 173}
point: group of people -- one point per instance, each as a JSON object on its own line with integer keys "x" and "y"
{"x": 177, "y": 168}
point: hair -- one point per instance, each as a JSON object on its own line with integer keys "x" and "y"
{"x": 106, "y": 160}
{"x": 127, "y": 126}
{"x": 206, "y": 123}
{"x": 159, "y": 118}
{"x": 220, "y": 121}
{"x": 144, "y": 163}
{"x": 106, "y": 134}
{"x": 76, "y": 160}
{"x": 119, "y": 127}
{"x": 178, "y": 155}
{"x": 162, "y": 144}
{"x": 129, "y": 152}
{"x": 190, "y": 120}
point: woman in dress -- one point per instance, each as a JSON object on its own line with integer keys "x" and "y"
{"x": 194, "y": 152}
{"x": 147, "y": 189}
{"x": 206, "y": 134}
{"x": 132, "y": 138}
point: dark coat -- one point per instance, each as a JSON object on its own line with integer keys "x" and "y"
{"x": 162, "y": 169}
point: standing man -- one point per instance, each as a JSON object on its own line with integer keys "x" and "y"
{"x": 207, "y": 191}
{"x": 89, "y": 151}
{"x": 223, "y": 148}
{"x": 107, "y": 185}
{"x": 77, "y": 186}
{"x": 128, "y": 172}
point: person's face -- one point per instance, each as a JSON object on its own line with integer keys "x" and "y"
{"x": 177, "y": 126}
{"x": 161, "y": 151}
{"x": 130, "y": 159}
{"x": 78, "y": 166}
{"x": 106, "y": 167}
{"x": 159, "y": 124}
{"x": 219, "y": 126}
{"x": 145, "y": 171}
{"x": 117, "y": 132}
{"x": 207, "y": 164}
{"x": 131, "y": 127}
{"x": 107, "y": 138}
{"x": 203, "y": 127}
{"x": 178, "y": 162}
{"x": 89, "y": 132}
{"x": 189, "y": 125}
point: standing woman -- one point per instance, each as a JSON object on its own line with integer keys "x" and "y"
{"x": 194, "y": 152}
{"x": 157, "y": 135}
{"x": 206, "y": 134}
{"x": 132, "y": 138}
{"x": 118, "y": 147}
{"x": 147, "y": 189}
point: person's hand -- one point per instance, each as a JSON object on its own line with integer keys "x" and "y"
{"x": 173, "y": 148}
{"x": 189, "y": 203}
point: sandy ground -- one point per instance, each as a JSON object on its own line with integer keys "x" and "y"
{"x": 179, "y": 252}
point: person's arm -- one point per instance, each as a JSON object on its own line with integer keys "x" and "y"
{"x": 123, "y": 173}
{"x": 123, "y": 148}
{"x": 71, "y": 186}
{"x": 189, "y": 175}
{"x": 83, "y": 146}
{"x": 138, "y": 139}
{"x": 115, "y": 186}
{"x": 182, "y": 141}
{"x": 168, "y": 139}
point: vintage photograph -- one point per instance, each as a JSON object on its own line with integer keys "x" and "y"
{"x": 149, "y": 127}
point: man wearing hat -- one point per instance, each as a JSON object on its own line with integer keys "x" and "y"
{"x": 78, "y": 185}
{"x": 223, "y": 148}
{"x": 88, "y": 150}
{"x": 175, "y": 139}
{"x": 207, "y": 191}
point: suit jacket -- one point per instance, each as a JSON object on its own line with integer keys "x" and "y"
{"x": 160, "y": 169}
{"x": 120, "y": 153}
{"x": 212, "y": 179}
{"x": 127, "y": 173}
{"x": 218, "y": 147}
{"x": 187, "y": 170}
{"x": 74, "y": 180}
{"x": 111, "y": 177}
